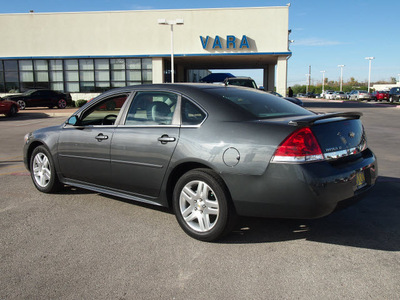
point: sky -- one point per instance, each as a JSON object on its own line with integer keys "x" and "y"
{"x": 326, "y": 33}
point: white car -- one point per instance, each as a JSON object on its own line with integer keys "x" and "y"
{"x": 330, "y": 95}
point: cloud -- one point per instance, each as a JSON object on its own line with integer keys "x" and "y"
{"x": 313, "y": 42}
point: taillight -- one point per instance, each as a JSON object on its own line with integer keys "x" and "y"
{"x": 301, "y": 146}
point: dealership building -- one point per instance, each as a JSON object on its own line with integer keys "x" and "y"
{"x": 90, "y": 52}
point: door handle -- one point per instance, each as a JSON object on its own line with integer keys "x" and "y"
{"x": 100, "y": 137}
{"x": 166, "y": 139}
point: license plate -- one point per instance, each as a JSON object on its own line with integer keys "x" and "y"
{"x": 360, "y": 180}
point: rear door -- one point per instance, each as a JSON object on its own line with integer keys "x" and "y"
{"x": 142, "y": 147}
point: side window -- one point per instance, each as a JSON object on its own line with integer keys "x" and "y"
{"x": 191, "y": 113}
{"x": 152, "y": 108}
{"x": 104, "y": 112}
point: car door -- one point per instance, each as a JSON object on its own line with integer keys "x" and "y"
{"x": 142, "y": 147}
{"x": 84, "y": 147}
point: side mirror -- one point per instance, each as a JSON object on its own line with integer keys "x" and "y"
{"x": 72, "y": 121}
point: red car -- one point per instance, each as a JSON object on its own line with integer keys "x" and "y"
{"x": 8, "y": 107}
{"x": 381, "y": 95}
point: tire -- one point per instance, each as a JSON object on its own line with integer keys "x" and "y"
{"x": 13, "y": 111}
{"x": 61, "y": 104}
{"x": 391, "y": 99}
{"x": 43, "y": 173}
{"x": 202, "y": 205}
{"x": 22, "y": 104}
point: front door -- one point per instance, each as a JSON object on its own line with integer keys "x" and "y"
{"x": 84, "y": 149}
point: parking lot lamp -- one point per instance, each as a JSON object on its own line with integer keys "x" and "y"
{"x": 171, "y": 23}
{"x": 323, "y": 81}
{"x": 370, "y": 58}
{"x": 341, "y": 76}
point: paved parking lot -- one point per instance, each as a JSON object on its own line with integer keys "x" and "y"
{"x": 80, "y": 244}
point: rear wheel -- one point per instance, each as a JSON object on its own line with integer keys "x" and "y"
{"x": 22, "y": 104}
{"x": 43, "y": 173}
{"x": 62, "y": 103}
{"x": 202, "y": 205}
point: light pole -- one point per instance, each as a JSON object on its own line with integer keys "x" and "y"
{"x": 341, "y": 76}
{"x": 399, "y": 78}
{"x": 307, "y": 82}
{"x": 171, "y": 23}
{"x": 369, "y": 72}
{"x": 323, "y": 81}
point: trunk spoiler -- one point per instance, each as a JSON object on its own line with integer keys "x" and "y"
{"x": 312, "y": 119}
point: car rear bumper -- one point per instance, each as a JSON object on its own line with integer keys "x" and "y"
{"x": 303, "y": 191}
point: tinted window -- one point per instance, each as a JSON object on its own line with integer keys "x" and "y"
{"x": 260, "y": 104}
{"x": 152, "y": 108}
{"x": 104, "y": 112}
{"x": 191, "y": 113}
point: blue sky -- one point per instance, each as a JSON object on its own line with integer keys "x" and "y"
{"x": 326, "y": 33}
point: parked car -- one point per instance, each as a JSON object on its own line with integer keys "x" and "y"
{"x": 330, "y": 95}
{"x": 210, "y": 152}
{"x": 394, "y": 94}
{"x": 241, "y": 81}
{"x": 38, "y": 98}
{"x": 360, "y": 95}
{"x": 340, "y": 95}
{"x": 291, "y": 99}
{"x": 310, "y": 95}
{"x": 380, "y": 95}
{"x": 323, "y": 94}
{"x": 8, "y": 107}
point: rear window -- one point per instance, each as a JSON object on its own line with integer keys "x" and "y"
{"x": 260, "y": 104}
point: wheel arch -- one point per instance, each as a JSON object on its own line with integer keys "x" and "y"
{"x": 29, "y": 152}
{"x": 183, "y": 168}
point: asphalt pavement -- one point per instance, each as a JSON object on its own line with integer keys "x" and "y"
{"x": 83, "y": 245}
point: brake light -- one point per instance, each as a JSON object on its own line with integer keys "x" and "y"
{"x": 301, "y": 146}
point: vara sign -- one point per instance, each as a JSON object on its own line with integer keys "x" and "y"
{"x": 231, "y": 42}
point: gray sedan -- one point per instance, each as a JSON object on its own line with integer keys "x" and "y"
{"x": 212, "y": 153}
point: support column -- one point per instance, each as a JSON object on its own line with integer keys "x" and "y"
{"x": 158, "y": 70}
{"x": 269, "y": 78}
{"x": 281, "y": 76}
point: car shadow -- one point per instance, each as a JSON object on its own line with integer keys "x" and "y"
{"x": 25, "y": 116}
{"x": 372, "y": 223}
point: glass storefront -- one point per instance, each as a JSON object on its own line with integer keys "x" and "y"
{"x": 73, "y": 75}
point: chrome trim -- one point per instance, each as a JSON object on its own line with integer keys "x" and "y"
{"x": 137, "y": 163}
{"x": 84, "y": 157}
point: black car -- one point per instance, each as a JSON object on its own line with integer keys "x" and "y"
{"x": 394, "y": 94}
{"x": 38, "y": 98}
{"x": 211, "y": 152}
{"x": 241, "y": 81}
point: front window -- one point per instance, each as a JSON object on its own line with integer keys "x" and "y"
{"x": 104, "y": 112}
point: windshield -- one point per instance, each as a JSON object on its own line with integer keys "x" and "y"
{"x": 260, "y": 104}
{"x": 28, "y": 92}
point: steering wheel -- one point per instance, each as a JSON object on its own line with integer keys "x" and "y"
{"x": 109, "y": 119}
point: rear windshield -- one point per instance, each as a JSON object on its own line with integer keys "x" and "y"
{"x": 260, "y": 104}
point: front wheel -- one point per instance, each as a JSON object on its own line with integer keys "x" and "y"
{"x": 202, "y": 205}
{"x": 43, "y": 173}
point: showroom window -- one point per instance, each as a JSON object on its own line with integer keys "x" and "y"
{"x": 85, "y": 75}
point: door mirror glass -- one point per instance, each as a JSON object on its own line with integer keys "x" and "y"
{"x": 72, "y": 121}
